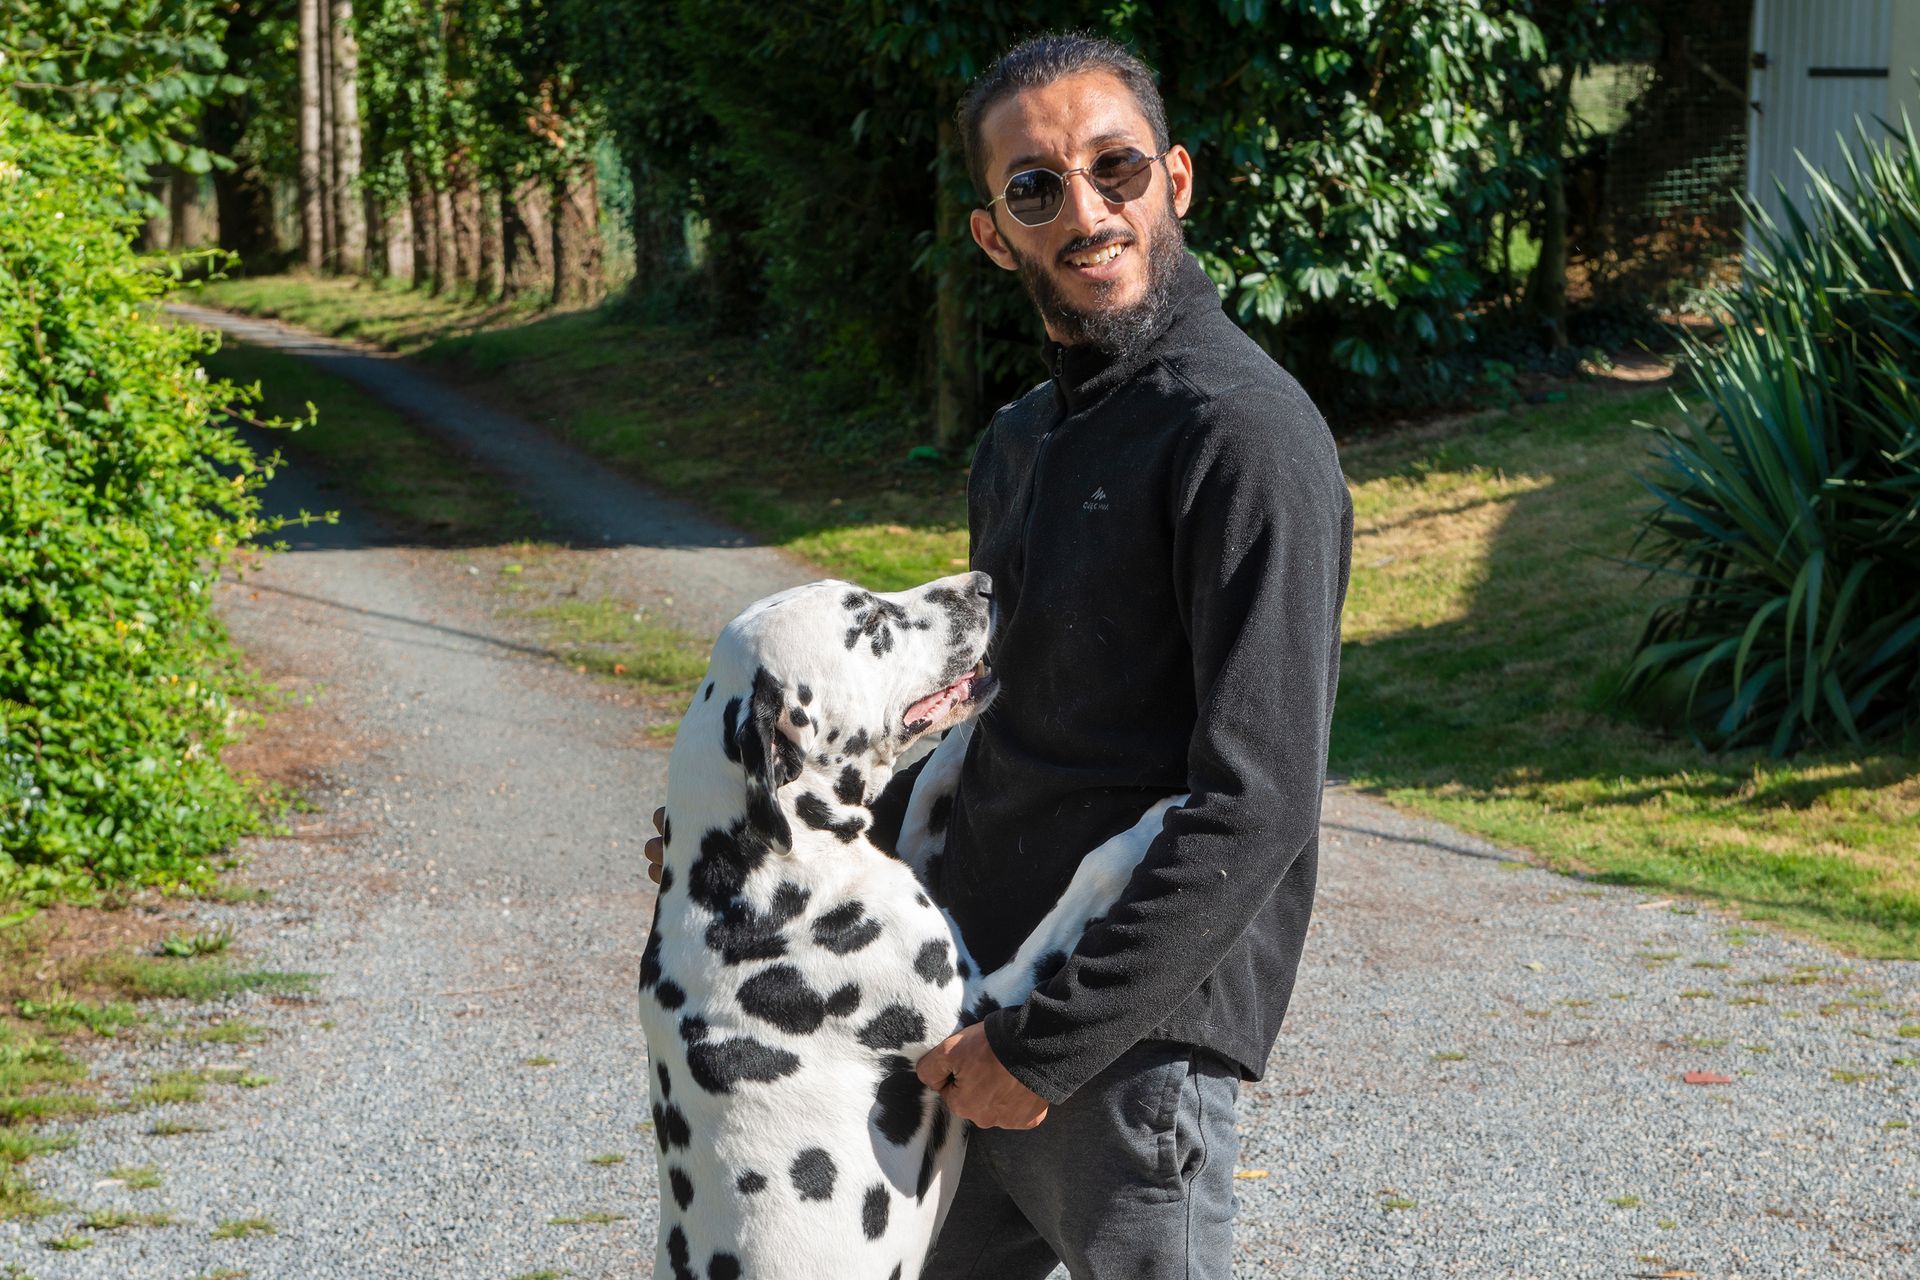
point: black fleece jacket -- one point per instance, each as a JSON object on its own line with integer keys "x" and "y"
{"x": 1169, "y": 537}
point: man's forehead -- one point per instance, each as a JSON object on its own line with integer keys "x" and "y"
{"x": 1051, "y": 122}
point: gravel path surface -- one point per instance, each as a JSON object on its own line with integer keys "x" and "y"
{"x": 1482, "y": 1075}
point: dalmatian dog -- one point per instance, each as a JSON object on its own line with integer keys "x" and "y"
{"x": 797, "y": 969}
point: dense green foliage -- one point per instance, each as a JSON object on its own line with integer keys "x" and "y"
{"x": 1792, "y": 513}
{"x": 135, "y": 72}
{"x": 1350, "y": 157}
{"x": 122, "y": 494}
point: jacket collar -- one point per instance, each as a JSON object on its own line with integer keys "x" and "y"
{"x": 1082, "y": 374}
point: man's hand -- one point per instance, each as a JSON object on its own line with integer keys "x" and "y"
{"x": 963, "y": 1070}
{"x": 657, "y": 845}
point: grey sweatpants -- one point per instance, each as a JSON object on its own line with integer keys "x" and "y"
{"x": 1129, "y": 1179}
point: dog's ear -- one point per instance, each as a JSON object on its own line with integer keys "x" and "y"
{"x": 772, "y": 751}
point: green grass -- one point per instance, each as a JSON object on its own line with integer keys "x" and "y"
{"x": 72, "y": 1242}
{"x": 229, "y": 1031}
{"x": 136, "y": 1177}
{"x": 1486, "y": 624}
{"x": 597, "y": 1218}
{"x": 207, "y": 942}
{"x": 62, "y": 1015}
{"x": 607, "y": 637}
{"x": 168, "y": 1087}
{"x": 609, "y": 1158}
{"x": 116, "y": 1219}
{"x": 241, "y": 1228}
{"x": 19, "y": 1198}
{"x": 151, "y": 977}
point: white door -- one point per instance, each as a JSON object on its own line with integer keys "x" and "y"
{"x": 1816, "y": 65}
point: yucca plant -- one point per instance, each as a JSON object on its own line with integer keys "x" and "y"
{"x": 1789, "y": 503}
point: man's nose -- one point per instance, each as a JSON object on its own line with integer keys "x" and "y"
{"x": 1085, "y": 207}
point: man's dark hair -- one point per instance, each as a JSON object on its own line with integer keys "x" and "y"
{"x": 1040, "y": 61}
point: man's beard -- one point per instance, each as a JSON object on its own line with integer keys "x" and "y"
{"x": 1117, "y": 331}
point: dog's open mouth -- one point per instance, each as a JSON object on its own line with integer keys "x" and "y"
{"x": 967, "y": 690}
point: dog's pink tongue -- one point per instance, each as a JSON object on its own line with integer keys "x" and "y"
{"x": 934, "y": 704}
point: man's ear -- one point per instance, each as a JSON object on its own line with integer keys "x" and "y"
{"x": 986, "y": 234}
{"x": 772, "y": 751}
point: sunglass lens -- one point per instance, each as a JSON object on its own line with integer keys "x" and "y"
{"x": 1123, "y": 176}
{"x": 1033, "y": 196}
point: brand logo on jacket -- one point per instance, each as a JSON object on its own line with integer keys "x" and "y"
{"x": 1098, "y": 502}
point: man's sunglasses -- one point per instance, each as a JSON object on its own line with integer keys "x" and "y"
{"x": 1034, "y": 196}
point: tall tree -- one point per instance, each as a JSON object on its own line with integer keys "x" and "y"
{"x": 313, "y": 195}
{"x": 349, "y": 200}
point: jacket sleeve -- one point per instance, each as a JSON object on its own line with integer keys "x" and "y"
{"x": 1262, "y": 542}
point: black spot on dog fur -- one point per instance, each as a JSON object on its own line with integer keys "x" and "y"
{"x": 812, "y": 1173}
{"x": 723, "y": 1266}
{"x": 845, "y": 929}
{"x": 727, "y": 857}
{"x": 693, "y": 1028}
{"x": 666, "y": 1080}
{"x": 650, "y": 961}
{"x": 920, "y": 900}
{"x": 741, "y": 933}
{"x": 718, "y": 1066}
{"x": 936, "y": 1139}
{"x": 857, "y": 745}
{"x": 730, "y": 730}
{"x": 818, "y": 814}
{"x": 670, "y": 1127}
{"x": 895, "y": 1273}
{"x": 893, "y": 1027}
{"x": 844, "y": 1001}
{"x": 709, "y": 693}
{"x": 750, "y": 1183}
{"x": 874, "y": 1209}
{"x": 677, "y": 1254}
{"x": 981, "y": 1008}
{"x": 833, "y": 735}
{"x": 803, "y": 693}
{"x": 682, "y": 1187}
{"x": 850, "y": 787}
{"x": 931, "y": 963}
{"x": 1048, "y": 965}
{"x": 666, "y": 881}
{"x": 896, "y": 1101}
{"x": 961, "y": 967}
{"x": 940, "y": 814}
{"x": 670, "y": 995}
{"x": 799, "y": 717}
{"x": 780, "y": 995}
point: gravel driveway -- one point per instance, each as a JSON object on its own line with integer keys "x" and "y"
{"x": 1482, "y": 1076}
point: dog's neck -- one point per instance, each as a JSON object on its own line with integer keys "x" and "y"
{"x": 824, "y": 808}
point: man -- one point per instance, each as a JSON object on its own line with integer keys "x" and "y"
{"x": 1168, "y": 533}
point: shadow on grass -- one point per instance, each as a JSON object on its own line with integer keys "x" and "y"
{"x": 1488, "y": 623}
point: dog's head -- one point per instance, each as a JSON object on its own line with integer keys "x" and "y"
{"x": 836, "y": 680}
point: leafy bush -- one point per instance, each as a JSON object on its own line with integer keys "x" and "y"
{"x": 123, "y": 493}
{"x": 1792, "y": 512}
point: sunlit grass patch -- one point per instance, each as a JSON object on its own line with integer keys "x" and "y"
{"x": 1486, "y": 626}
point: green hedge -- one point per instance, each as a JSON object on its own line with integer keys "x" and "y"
{"x": 123, "y": 493}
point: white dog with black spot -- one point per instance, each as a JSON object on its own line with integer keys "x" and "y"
{"x": 796, "y": 970}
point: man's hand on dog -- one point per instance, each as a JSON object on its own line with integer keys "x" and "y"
{"x": 657, "y": 845}
{"x": 964, "y": 1070}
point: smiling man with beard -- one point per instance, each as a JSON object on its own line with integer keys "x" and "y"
{"x": 1169, "y": 533}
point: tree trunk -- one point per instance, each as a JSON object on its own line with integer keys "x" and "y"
{"x": 446, "y": 259}
{"x": 578, "y": 277}
{"x": 1547, "y": 288}
{"x": 349, "y": 201}
{"x": 466, "y": 226}
{"x": 313, "y": 226}
{"x": 426, "y": 250}
{"x": 329, "y": 162}
{"x": 955, "y": 414}
{"x": 528, "y": 217}
{"x": 396, "y": 240}
{"x": 493, "y": 248}
{"x": 243, "y": 203}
